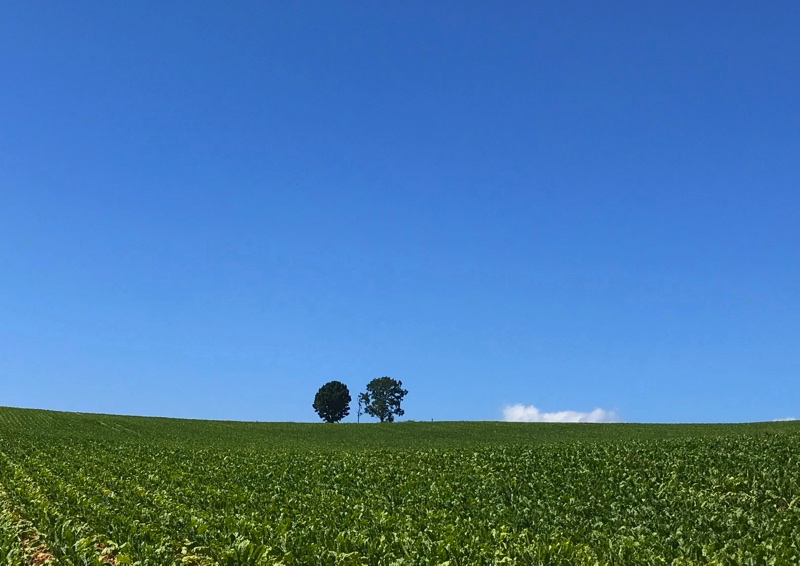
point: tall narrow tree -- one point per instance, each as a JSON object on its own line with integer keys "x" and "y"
{"x": 363, "y": 401}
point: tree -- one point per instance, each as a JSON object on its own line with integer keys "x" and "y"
{"x": 383, "y": 397}
{"x": 363, "y": 401}
{"x": 332, "y": 402}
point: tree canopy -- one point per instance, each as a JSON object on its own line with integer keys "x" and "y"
{"x": 383, "y": 397}
{"x": 332, "y": 401}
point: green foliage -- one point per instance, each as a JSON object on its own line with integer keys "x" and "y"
{"x": 363, "y": 401}
{"x": 383, "y": 397}
{"x": 99, "y": 489}
{"x": 332, "y": 402}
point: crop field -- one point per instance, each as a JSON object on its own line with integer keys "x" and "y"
{"x": 99, "y": 489}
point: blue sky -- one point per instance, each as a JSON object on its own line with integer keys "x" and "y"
{"x": 209, "y": 209}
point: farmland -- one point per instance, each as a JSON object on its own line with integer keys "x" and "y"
{"x": 100, "y": 489}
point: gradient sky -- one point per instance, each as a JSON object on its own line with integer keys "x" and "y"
{"x": 209, "y": 209}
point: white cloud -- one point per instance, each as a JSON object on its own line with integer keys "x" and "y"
{"x": 529, "y": 414}
{"x": 785, "y": 419}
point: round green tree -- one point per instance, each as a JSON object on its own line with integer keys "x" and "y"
{"x": 332, "y": 402}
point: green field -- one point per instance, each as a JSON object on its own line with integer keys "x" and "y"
{"x": 101, "y": 489}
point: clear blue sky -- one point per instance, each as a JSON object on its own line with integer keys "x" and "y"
{"x": 209, "y": 209}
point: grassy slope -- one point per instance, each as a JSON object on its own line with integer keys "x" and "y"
{"x": 456, "y": 434}
{"x": 231, "y": 493}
